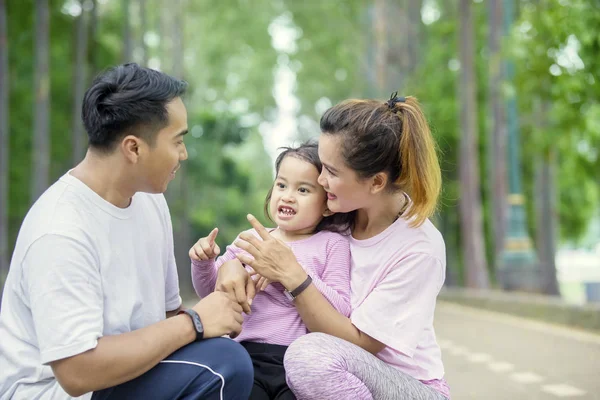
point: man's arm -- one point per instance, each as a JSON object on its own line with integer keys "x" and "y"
{"x": 121, "y": 358}
{"x": 174, "y": 312}
{"x": 64, "y": 289}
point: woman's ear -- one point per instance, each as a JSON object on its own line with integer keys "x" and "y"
{"x": 379, "y": 182}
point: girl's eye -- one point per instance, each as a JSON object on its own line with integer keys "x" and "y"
{"x": 280, "y": 185}
{"x": 303, "y": 190}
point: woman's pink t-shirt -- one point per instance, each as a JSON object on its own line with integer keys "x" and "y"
{"x": 395, "y": 279}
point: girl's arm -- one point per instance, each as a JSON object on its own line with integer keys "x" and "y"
{"x": 204, "y": 273}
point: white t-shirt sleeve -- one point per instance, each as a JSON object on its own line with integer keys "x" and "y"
{"x": 400, "y": 307}
{"x": 172, "y": 297}
{"x": 62, "y": 280}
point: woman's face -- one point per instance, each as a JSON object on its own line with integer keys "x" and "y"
{"x": 345, "y": 192}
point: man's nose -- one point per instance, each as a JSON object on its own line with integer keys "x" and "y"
{"x": 184, "y": 154}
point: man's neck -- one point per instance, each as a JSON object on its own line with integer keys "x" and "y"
{"x": 104, "y": 175}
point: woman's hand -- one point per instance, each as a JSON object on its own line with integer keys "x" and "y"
{"x": 271, "y": 258}
{"x": 235, "y": 281}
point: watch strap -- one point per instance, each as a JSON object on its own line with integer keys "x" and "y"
{"x": 296, "y": 292}
{"x": 198, "y": 327}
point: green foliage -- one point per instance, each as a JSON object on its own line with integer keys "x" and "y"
{"x": 555, "y": 47}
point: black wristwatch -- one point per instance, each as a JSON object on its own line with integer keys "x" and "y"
{"x": 296, "y": 292}
{"x": 197, "y": 322}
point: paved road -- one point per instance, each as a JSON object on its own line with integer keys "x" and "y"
{"x": 494, "y": 356}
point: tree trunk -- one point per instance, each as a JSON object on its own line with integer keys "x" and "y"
{"x": 413, "y": 39}
{"x": 165, "y": 36}
{"x": 545, "y": 205}
{"x": 381, "y": 46}
{"x": 178, "y": 192}
{"x": 4, "y": 144}
{"x": 93, "y": 40}
{"x": 127, "y": 41}
{"x": 41, "y": 131}
{"x": 470, "y": 201}
{"x": 497, "y": 132}
{"x": 546, "y": 218}
{"x": 143, "y": 29}
{"x": 79, "y": 84}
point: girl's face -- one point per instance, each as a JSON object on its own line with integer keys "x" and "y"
{"x": 345, "y": 191}
{"x": 298, "y": 202}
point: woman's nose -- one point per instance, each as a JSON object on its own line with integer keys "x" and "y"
{"x": 321, "y": 179}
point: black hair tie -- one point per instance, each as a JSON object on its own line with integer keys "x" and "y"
{"x": 394, "y": 99}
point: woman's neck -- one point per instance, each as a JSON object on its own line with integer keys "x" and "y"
{"x": 382, "y": 213}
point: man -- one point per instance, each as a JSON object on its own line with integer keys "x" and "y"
{"x": 91, "y": 303}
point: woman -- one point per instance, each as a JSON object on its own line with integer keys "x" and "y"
{"x": 379, "y": 160}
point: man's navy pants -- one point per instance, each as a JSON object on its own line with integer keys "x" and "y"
{"x": 212, "y": 369}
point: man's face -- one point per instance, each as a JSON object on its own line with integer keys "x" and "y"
{"x": 162, "y": 160}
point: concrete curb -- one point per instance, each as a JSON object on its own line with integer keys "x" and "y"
{"x": 539, "y": 307}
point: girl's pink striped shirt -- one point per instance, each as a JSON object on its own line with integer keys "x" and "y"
{"x": 325, "y": 256}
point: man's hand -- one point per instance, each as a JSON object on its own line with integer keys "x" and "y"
{"x": 235, "y": 281}
{"x": 220, "y": 315}
{"x": 206, "y": 249}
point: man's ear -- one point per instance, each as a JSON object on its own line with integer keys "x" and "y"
{"x": 378, "y": 182}
{"x": 130, "y": 146}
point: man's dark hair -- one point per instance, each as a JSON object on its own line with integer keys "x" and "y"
{"x": 128, "y": 100}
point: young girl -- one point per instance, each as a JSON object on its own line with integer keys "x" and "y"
{"x": 379, "y": 160}
{"x": 298, "y": 206}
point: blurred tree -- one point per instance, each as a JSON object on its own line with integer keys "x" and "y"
{"x": 496, "y": 147}
{"x": 127, "y": 37}
{"x": 79, "y": 84}
{"x": 470, "y": 187}
{"x": 92, "y": 48}
{"x": 41, "y": 129}
{"x": 4, "y": 144}
{"x": 143, "y": 30}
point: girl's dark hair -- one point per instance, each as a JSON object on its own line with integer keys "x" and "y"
{"x": 339, "y": 222}
{"x": 391, "y": 137}
{"x": 128, "y": 99}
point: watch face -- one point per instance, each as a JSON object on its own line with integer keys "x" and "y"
{"x": 288, "y": 295}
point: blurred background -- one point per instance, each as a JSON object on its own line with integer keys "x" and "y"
{"x": 510, "y": 88}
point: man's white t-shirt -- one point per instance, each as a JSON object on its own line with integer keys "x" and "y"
{"x": 82, "y": 269}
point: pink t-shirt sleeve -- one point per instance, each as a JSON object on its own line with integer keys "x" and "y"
{"x": 402, "y": 304}
{"x": 334, "y": 284}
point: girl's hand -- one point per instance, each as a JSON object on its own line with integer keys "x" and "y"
{"x": 261, "y": 282}
{"x": 271, "y": 258}
{"x": 206, "y": 249}
{"x": 235, "y": 281}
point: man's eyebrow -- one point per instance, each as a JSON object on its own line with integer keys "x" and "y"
{"x": 184, "y": 132}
